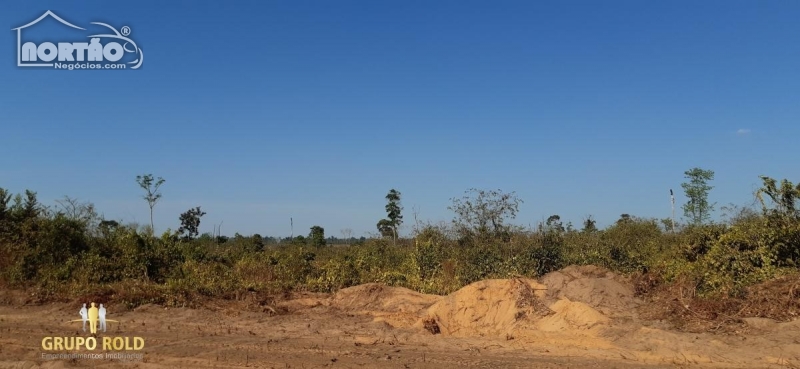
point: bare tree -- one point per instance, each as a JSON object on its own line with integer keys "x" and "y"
{"x": 415, "y": 212}
{"x": 347, "y": 233}
{"x": 74, "y": 209}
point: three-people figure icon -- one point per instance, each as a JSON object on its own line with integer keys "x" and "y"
{"x": 94, "y": 315}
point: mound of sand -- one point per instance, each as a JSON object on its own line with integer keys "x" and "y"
{"x": 373, "y": 297}
{"x": 597, "y": 287}
{"x": 489, "y": 307}
{"x": 571, "y": 316}
{"x": 573, "y": 300}
{"x": 396, "y": 306}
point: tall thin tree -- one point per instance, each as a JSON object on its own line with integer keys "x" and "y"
{"x": 150, "y": 185}
{"x": 394, "y": 213}
{"x": 672, "y": 198}
{"x": 697, "y": 208}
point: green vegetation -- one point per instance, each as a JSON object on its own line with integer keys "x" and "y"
{"x": 481, "y": 215}
{"x": 190, "y": 223}
{"x": 388, "y": 227}
{"x": 150, "y": 187}
{"x": 72, "y": 251}
{"x": 697, "y": 209}
{"x": 317, "y": 236}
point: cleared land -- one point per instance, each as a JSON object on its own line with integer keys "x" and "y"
{"x": 578, "y": 317}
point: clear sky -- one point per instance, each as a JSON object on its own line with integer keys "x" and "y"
{"x": 259, "y": 111}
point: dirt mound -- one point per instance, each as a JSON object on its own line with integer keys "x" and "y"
{"x": 397, "y": 306}
{"x": 572, "y": 300}
{"x": 570, "y": 316}
{"x": 597, "y": 287}
{"x": 488, "y": 308}
{"x": 374, "y": 297}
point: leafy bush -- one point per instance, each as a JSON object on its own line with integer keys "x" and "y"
{"x": 699, "y": 239}
{"x": 632, "y": 245}
{"x": 750, "y": 252}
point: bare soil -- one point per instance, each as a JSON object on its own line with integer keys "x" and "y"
{"x": 579, "y": 317}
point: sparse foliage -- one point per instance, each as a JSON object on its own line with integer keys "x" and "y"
{"x": 347, "y": 234}
{"x": 589, "y": 225}
{"x": 74, "y": 209}
{"x": 151, "y": 186}
{"x": 385, "y": 228}
{"x": 485, "y": 212}
{"x": 667, "y": 224}
{"x": 553, "y": 223}
{"x": 784, "y": 197}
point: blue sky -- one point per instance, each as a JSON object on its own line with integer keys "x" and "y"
{"x": 259, "y": 111}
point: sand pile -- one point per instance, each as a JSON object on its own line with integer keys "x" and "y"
{"x": 597, "y": 287}
{"x": 491, "y": 307}
{"x": 377, "y": 297}
{"x": 576, "y": 299}
{"x": 395, "y": 305}
{"x": 571, "y": 316}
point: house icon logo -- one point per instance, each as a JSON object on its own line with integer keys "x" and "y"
{"x": 110, "y": 50}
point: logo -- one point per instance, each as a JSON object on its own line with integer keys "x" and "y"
{"x": 114, "y": 50}
{"x": 115, "y": 347}
{"x": 93, "y": 315}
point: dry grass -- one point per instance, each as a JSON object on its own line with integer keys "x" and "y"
{"x": 677, "y": 303}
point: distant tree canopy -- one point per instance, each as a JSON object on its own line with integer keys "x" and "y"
{"x": 554, "y": 223}
{"x": 190, "y": 223}
{"x": 484, "y": 212}
{"x": 316, "y": 237}
{"x": 589, "y": 225}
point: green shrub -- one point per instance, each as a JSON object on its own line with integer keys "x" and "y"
{"x": 750, "y": 252}
{"x": 477, "y": 263}
{"x": 429, "y": 256}
{"x": 698, "y": 240}
{"x": 632, "y": 245}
